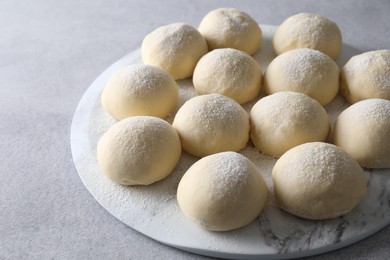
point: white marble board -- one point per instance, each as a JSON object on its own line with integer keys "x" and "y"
{"x": 153, "y": 210}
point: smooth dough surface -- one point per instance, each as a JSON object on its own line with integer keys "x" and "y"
{"x": 231, "y": 28}
{"x": 223, "y": 191}
{"x": 139, "y": 150}
{"x": 284, "y": 120}
{"x": 306, "y": 71}
{"x": 175, "y": 48}
{"x": 363, "y": 131}
{"x": 318, "y": 181}
{"x": 210, "y": 124}
{"x": 365, "y": 76}
{"x": 306, "y": 30}
{"x": 140, "y": 90}
{"x": 229, "y": 72}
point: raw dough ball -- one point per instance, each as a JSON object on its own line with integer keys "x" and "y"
{"x": 222, "y": 191}
{"x": 231, "y": 28}
{"x": 138, "y": 90}
{"x": 210, "y": 124}
{"x": 306, "y": 71}
{"x": 229, "y": 72}
{"x": 366, "y": 76}
{"x": 287, "y": 119}
{"x": 139, "y": 150}
{"x": 318, "y": 181}
{"x": 175, "y": 48}
{"x": 363, "y": 131}
{"x": 307, "y": 30}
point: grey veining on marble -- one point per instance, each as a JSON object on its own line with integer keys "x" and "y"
{"x": 153, "y": 210}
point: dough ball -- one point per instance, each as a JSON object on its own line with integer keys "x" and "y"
{"x": 223, "y": 191}
{"x": 307, "y": 30}
{"x": 229, "y": 72}
{"x": 139, "y": 150}
{"x": 363, "y": 131}
{"x": 210, "y": 124}
{"x": 284, "y": 120}
{"x": 366, "y": 76}
{"x": 140, "y": 90}
{"x": 318, "y": 181}
{"x": 306, "y": 71}
{"x": 231, "y": 28}
{"x": 175, "y": 48}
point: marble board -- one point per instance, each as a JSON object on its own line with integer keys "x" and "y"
{"x": 153, "y": 210}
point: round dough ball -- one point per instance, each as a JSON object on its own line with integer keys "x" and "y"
{"x": 318, "y": 181}
{"x": 175, "y": 48}
{"x": 284, "y": 120}
{"x": 210, "y": 124}
{"x": 306, "y": 71}
{"x": 307, "y": 30}
{"x": 363, "y": 131}
{"x": 222, "y": 192}
{"x": 140, "y": 90}
{"x": 139, "y": 150}
{"x": 229, "y": 72}
{"x": 366, "y": 76}
{"x": 231, "y": 28}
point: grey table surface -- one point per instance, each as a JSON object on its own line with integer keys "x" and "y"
{"x": 50, "y": 52}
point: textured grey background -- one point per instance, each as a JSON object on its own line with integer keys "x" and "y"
{"x": 50, "y": 52}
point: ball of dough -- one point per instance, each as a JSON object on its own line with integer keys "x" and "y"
{"x": 284, "y": 120}
{"x": 366, "y": 76}
{"x": 140, "y": 90}
{"x": 307, "y": 30}
{"x": 363, "y": 131}
{"x": 306, "y": 71}
{"x": 223, "y": 191}
{"x": 229, "y": 72}
{"x": 318, "y": 181}
{"x": 139, "y": 150}
{"x": 231, "y": 28}
{"x": 175, "y": 48}
{"x": 210, "y": 124}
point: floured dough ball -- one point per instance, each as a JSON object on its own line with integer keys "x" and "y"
{"x": 229, "y": 72}
{"x": 223, "y": 191}
{"x": 284, "y": 120}
{"x": 366, "y": 76}
{"x": 306, "y": 71}
{"x": 307, "y": 30}
{"x": 363, "y": 131}
{"x": 175, "y": 48}
{"x": 138, "y": 90}
{"x": 139, "y": 150}
{"x": 231, "y": 28}
{"x": 210, "y": 124}
{"x": 318, "y": 181}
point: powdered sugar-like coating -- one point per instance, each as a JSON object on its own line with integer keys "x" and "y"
{"x": 231, "y": 28}
{"x": 212, "y": 123}
{"x": 175, "y": 48}
{"x": 229, "y": 72}
{"x": 305, "y": 67}
{"x": 371, "y": 111}
{"x": 307, "y": 30}
{"x": 230, "y": 174}
{"x": 375, "y": 65}
{"x": 141, "y": 79}
{"x": 318, "y": 181}
{"x": 303, "y": 70}
{"x": 316, "y": 27}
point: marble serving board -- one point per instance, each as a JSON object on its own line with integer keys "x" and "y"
{"x": 153, "y": 210}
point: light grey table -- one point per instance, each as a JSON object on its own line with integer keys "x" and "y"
{"x": 50, "y": 52}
